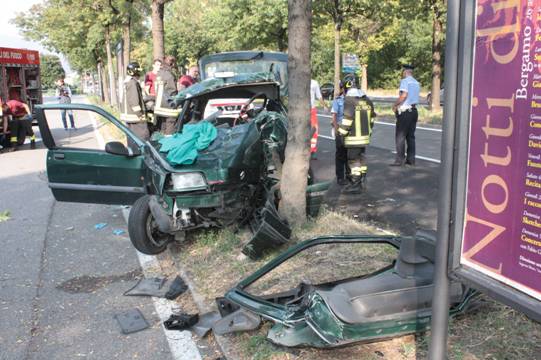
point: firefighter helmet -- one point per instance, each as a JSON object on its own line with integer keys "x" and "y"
{"x": 134, "y": 69}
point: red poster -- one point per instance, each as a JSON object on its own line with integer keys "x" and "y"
{"x": 19, "y": 56}
{"x": 502, "y": 225}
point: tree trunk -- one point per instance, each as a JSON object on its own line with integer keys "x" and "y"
{"x": 337, "y": 68}
{"x": 295, "y": 169}
{"x": 437, "y": 29}
{"x": 110, "y": 69}
{"x": 364, "y": 78}
{"x": 158, "y": 51}
{"x": 104, "y": 84}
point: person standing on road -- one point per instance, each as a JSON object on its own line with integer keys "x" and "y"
{"x": 341, "y": 154}
{"x": 405, "y": 110}
{"x": 356, "y": 128}
{"x": 315, "y": 94}
{"x": 166, "y": 88}
{"x": 63, "y": 94}
{"x": 20, "y": 125}
{"x": 133, "y": 107}
{"x": 189, "y": 79}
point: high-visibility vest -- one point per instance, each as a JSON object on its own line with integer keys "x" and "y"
{"x": 356, "y": 126}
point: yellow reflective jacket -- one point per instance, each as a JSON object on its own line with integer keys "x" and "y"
{"x": 356, "y": 126}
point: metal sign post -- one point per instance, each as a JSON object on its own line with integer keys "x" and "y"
{"x": 489, "y": 220}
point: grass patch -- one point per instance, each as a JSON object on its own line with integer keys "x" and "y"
{"x": 5, "y": 215}
{"x": 108, "y": 130}
{"x": 426, "y": 116}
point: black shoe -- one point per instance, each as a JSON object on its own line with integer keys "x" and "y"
{"x": 32, "y": 144}
{"x": 342, "y": 182}
{"x": 355, "y": 187}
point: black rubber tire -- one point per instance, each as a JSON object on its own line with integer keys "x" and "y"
{"x": 140, "y": 228}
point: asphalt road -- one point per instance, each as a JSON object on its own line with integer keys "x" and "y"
{"x": 401, "y": 199}
{"x": 61, "y": 280}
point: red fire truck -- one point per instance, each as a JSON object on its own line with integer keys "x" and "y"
{"x": 20, "y": 77}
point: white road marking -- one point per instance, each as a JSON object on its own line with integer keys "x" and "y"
{"x": 181, "y": 345}
{"x": 390, "y": 124}
{"x": 425, "y": 158}
{"x": 180, "y": 342}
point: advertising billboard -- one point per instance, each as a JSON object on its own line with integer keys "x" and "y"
{"x": 502, "y": 224}
{"x": 496, "y": 236}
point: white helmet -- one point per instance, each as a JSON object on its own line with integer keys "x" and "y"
{"x": 354, "y": 92}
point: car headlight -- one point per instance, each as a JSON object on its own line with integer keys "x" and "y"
{"x": 188, "y": 181}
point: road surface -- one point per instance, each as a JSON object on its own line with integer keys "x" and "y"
{"x": 61, "y": 279}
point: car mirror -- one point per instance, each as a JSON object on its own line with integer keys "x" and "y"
{"x": 118, "y": 148}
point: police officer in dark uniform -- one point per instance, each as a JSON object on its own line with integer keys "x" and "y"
{"x": 133, "y": 107}
{"x": 356, "y": 128}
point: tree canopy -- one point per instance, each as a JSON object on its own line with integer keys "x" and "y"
{"x": 383, "y": 34}
{"x": 51, "y": 70}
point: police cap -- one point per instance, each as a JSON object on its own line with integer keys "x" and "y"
{"x": 407, "y": 67}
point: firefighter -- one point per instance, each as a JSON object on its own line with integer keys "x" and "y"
{"x": 133, "y": 107}
{"x": 20, "y": 125}
{"x": 166, "y": 88}
{"x": 356, "y": 128}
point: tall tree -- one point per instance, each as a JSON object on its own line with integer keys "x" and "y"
{"x": 51, "y": 70}
{"x": 339, "y": 11}
{"x": 157, "y": 13}
{"x": 368, "y": 30}
{"x": 295, "y": 168}
{"x": 438, "y": 10}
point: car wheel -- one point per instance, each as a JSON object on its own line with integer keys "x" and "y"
{"x": 429, "y": 99}
{"x": 143, "y": 230}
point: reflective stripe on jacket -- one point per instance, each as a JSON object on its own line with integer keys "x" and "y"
{"x": 356, "y": 126}
{"x": 159, "y": 108}
{"x": 133, "y": 107}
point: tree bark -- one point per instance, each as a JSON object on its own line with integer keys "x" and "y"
{"x": 295, "y": 170}
{"x": 110, "y": 69}
{"x": 337, "y": 67}
{"x": 437, "y": 28}
{"x": 105, "y": 94}
{"x": 158, "y": 51}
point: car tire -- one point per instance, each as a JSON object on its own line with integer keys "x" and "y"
{"x": 429, "y": 99}
{"x": 144, "y": 233}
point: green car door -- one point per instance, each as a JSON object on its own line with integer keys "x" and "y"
{"x": 81, "y": 165}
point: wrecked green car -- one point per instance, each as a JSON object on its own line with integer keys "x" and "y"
{"x": 231, "y": 181}
{"x": 392, "y": 298}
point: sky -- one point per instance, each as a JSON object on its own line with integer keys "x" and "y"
{"x": 9, "y": 34}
